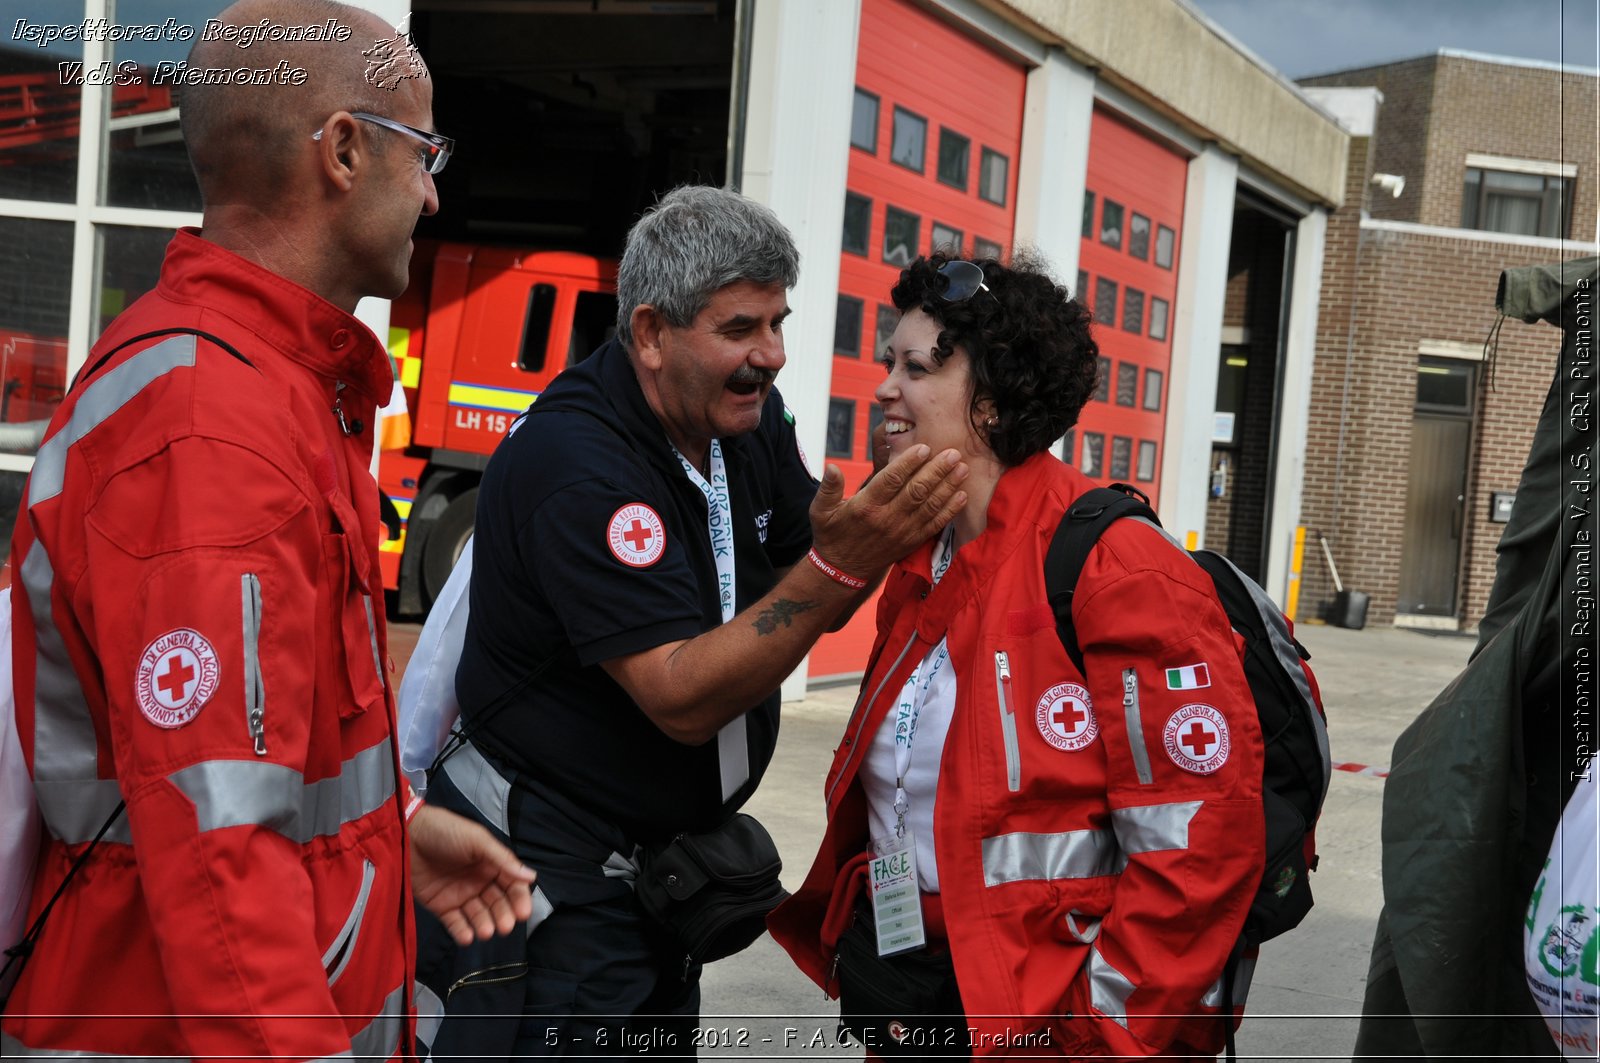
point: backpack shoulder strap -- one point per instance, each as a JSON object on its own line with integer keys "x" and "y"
{"x": 1081, "y": 527}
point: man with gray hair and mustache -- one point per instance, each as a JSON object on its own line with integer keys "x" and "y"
{"x": 652, "y": 559}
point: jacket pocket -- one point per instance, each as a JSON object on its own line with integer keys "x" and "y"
{"x": 337, "y": 958}
{"x": 1008, "y": 720}
{"x": 355, "y": 628}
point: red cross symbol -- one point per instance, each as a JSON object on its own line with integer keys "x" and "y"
{"x": 637, "y": 535}
{"x": 177, "y": 677}
{"x": 1198, "y": 739}
{"x": 1073, "y": 715}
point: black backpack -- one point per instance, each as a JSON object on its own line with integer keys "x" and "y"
{"x": 1296, "y": 769}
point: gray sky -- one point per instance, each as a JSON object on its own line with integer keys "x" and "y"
{"x": 1305, "y": 37}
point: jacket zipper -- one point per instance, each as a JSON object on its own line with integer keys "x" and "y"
{"x": 854, "y": 739}
{"x": 1008, "y": 720}
{"x": 349, "y": 428}
{"x": 255, "y": 694}
{"x": 337, "y": 958}
{"x": 1135, "y": 725}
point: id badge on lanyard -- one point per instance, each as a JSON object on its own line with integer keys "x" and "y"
{"x": 892, "y": 871}
{"x": 733, "y": 750}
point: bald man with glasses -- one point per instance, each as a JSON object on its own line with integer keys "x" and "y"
{"x": 199, "y": 643}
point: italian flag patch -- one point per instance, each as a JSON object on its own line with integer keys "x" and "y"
{"x": 1189, "y": 677}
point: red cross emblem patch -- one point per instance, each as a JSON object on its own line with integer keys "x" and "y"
{"x": 177, "y": 675}
{"x": 1065, "y": 717}
{"x": 1196, "y": 737}
{"x": 636, "y": 535}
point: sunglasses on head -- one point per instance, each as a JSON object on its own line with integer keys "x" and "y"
{"x": 962, "y": 280}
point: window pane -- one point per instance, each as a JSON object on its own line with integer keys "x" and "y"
{"x": 1133, "y": 312}
{"x": 946, "y": 239}
{"x": 900, "y": 236}
{"x": 1501, "y": 181}
{"x": 1511, "y": 214}
{"x": 1158, "y": 318}
{"x": 857, "y": 223}
{"x": 982, "y": 248}
{"x": 1094, "y": 447}
{"x": 1147, "y": 461}
{"x": 1069, "y": 443}
{"x": 1121, "y": 457}
{"x": 864, "y": 122}
{"x": 1446, "y": 385}
{"x": 1088, "y": 215}
{"x": 130, "y": 265}
{"x": 35, "y": 300}
{"x": 1111, "y": 225}
{"x": 910, "y": 139}
{"x": 1105, "y": 301}
{"x": 1127, "y": 384}
{"x": 841, "y": 427}
{"x": 594, "y": 321}
{"x": 1102, "y": 379}
{"x": 536, "y": 327}
{"x": 847, "y": 327}
{"x": 874, "y": 419}
{"x": 888, "y": 318}
{"x": 1152, "y": 390}
{"x": 954, "y": 151}
{"x": 1139, "y": 236}
{"x": 39, "y": 134}
{"x": 146, "y": 164}
{"x": 1164, "y": 240}
{"x": 1470, "y": 191}
{"x": 992, "y": 181}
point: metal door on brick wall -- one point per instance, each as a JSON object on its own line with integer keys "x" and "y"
{"x": 1441, "y": 438}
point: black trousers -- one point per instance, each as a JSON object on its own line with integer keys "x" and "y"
{"x": 585, "y": 979}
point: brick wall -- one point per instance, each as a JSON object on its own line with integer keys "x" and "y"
{"x": 1402, "y": 135}
{"x": 1409, "y": 288}
{"x": 1438, "y": 108}
{"x": 1384, "y": 293}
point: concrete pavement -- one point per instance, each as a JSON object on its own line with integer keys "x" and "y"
{"x": 1308, "y": 988}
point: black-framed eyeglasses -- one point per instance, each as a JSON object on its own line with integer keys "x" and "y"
{"x": 436, "y": 149}
{"x": 962, "y": 280}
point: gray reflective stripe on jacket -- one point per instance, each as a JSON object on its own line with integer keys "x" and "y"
{"x": 73, "y": 801}
{"x": 1109, "y": 988}
{"x": 233, "y": 793}
{"x": 1075, "y": 854}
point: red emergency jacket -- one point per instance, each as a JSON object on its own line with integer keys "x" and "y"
{"x": 198, "y": 632}
{"x": 1092, "y": 881}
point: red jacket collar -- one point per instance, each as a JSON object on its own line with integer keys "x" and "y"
{"x": 1031, "y": 495}
{"x": 301, "y": 325}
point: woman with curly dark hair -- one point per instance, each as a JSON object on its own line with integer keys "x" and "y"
{"x": 1023, "y": 856}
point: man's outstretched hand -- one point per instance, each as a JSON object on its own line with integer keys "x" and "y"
{"x": 901, "y": 506}
{"x": 462, "y": 874}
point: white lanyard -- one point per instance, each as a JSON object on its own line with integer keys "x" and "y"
{"x": 733, "y": 752}
{"x": 915, "y": 692}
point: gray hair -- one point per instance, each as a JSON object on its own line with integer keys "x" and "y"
{"x": 695, "y": 241}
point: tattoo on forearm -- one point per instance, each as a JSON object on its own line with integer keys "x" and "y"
{"x": 783, "y": 612}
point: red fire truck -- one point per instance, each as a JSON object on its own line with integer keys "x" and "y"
{"x": 477, "y": 335}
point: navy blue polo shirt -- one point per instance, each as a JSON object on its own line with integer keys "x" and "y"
{"x": 591, "y": 544}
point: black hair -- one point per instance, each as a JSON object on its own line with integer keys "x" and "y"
{"x": 1028, "y": 341}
